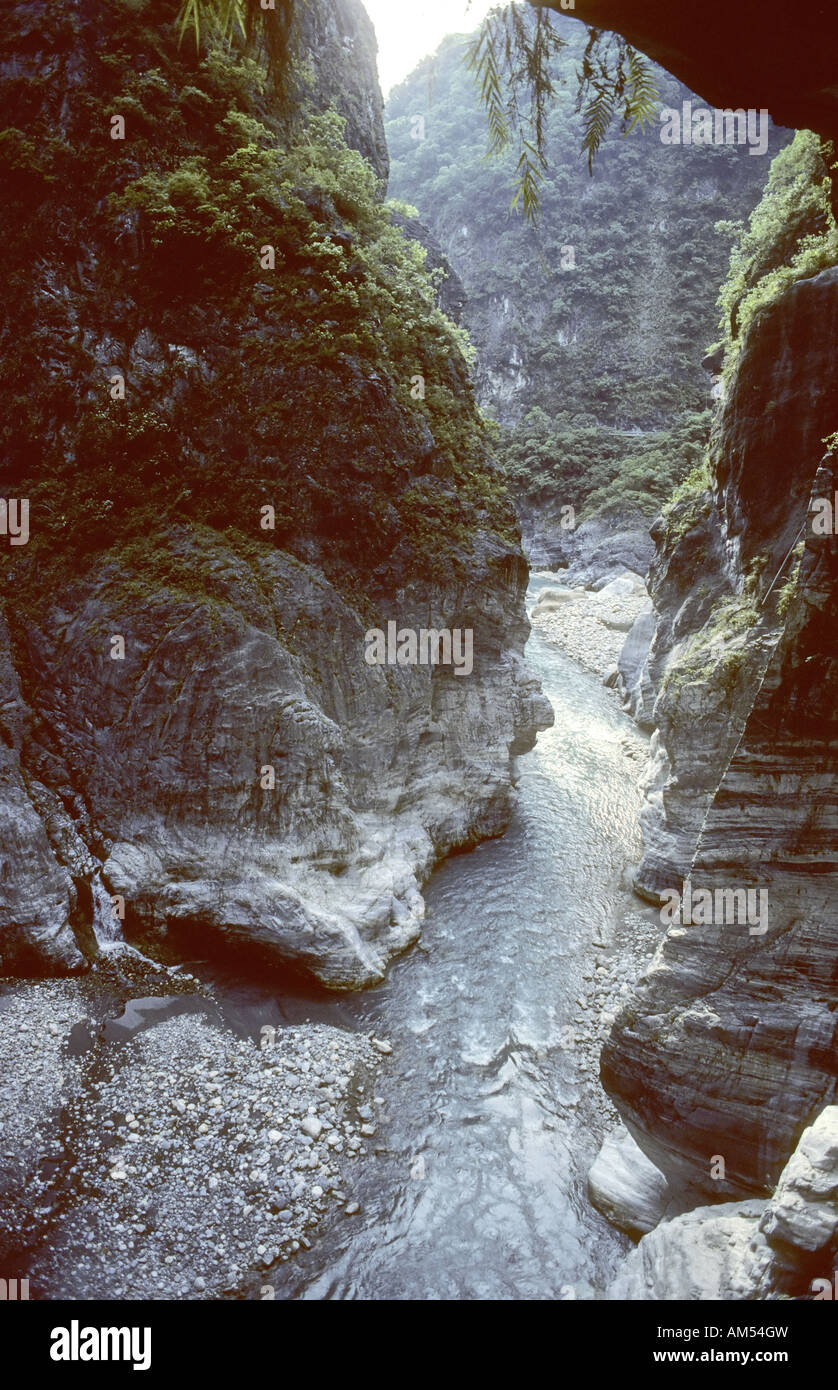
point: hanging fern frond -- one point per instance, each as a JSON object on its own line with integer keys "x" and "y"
{"x": 644, "y": 98}
{"x": 511, "y": 59}
{"x": 613, "y": 77}
{"x": 530, "y": 174}
{"x": 222, "y": 19}
{"x": 596, "y": 121}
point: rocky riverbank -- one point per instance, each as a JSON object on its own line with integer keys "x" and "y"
{"x": 591, "y": 624}
{"x": 174, "y": 1158}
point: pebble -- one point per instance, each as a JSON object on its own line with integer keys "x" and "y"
{"x": 185, "y": 1214}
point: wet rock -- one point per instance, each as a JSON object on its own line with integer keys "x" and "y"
{"x": 626, "y": 1187}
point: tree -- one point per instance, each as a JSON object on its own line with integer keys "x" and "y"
{"x": 511, "y": 58}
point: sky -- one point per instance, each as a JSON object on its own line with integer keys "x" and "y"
{"x": 408, "y": 30}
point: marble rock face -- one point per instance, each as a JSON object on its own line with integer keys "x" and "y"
{"x": 626, "y": 1187}
{"x": 727, "y": 1047}
{"x": 166, "y": 760}
{"x": 784, "y": 1246}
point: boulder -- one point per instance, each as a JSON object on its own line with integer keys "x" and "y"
{"x": 626, "y": 1187}
{"x": 709, "y": 1253}
{"x": 802, "y": 1216}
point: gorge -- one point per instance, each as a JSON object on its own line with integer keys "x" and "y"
{"x": 223, "y": 827}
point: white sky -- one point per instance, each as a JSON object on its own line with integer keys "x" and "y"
{"x": 408, "y": 30}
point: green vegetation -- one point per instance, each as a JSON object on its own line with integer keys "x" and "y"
{"x": 243, "y": 25}
{"x": 718, "y": 652}
{"x": 791, "y": 234}
{"x": 328, "y": 384}
{"x": 789, "y": 588}
{"x": 601, "y": 471}
{"x": 590, "y": 328}
{"x": 511, "y": 58}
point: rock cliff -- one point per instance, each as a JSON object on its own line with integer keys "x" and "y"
{"x": 591, "y": 327}
{"x": 729, "y": 1046}
{"x": 232, "y": 477}
{"x": 753, "y": 1249}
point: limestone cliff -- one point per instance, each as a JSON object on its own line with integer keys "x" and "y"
{"x": 729, "y": 1045}
{"x": 213, "y": 337}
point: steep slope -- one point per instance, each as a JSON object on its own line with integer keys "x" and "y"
{"x": 729, "y": 1046}
{"x": 591, "y": 328}
{"x": 213, "y": 338}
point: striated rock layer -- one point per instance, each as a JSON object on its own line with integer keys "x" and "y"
{"x": 187, "y": 719}
{"x": 728, "y": 1047}
{"x": 781, "y": 1247}
{"x": 160, "y": 757}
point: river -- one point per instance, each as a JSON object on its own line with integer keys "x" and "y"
{"x": 486, "y": 1123}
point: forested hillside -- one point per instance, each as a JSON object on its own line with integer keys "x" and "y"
{"x": 591, "y": 325}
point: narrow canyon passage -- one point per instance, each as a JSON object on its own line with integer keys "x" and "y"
{"x": 488, "y": 1124}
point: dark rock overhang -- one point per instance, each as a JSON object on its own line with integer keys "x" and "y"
{"x": 768, "y": 54}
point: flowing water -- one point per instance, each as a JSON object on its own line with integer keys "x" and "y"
{"x": 486, "y": 1124}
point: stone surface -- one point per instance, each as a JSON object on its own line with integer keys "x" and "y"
{"x": 338, "y": 38}
{"x": 597, "y": 551}
{"x": 803, "y": 1212}
{"x": 150, "y": 1164}
{"x": 704, "y": 1255}
{"x": 626, "y": 1187}
{"x": 756, "y": 1249}
{"x": 243, "y": 780}
{"x": 729, "y": 54}
{"x": 634, "y": 670}
{"x": 591, "y": 627}
{"x": 166, "y": 749}
{"x": 38, "y": 896}
{"x": 728, "y": 1047}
